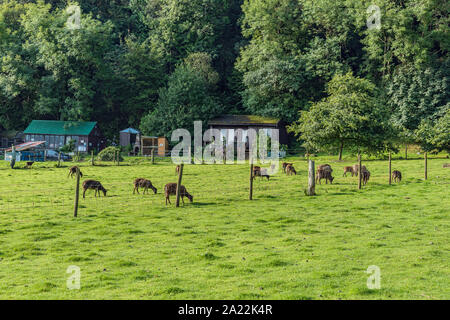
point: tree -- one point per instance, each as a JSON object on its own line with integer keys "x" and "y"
{"x": 435, "y": 136}
{"x": 349, "y": 117}
{"x": 188, "y": 97}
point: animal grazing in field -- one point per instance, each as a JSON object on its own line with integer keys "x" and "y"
{"x": 143, "y": 183}
{"x": 356, "y": 168}
{"x": 93, "y": 185}
{"x": 177, "y": 169}
{"x": 170, "y": 189}
{"x": 258, "y": 172}
{"x": 29, "y": 164}
{"x": 396, "y": 176}
{"x": 365, "y": 175}
{"x": 446, "y": 165}
{"x": 348, "y": 170}
{"x": 73, "y": 172}
{"x": 285, "y": 164}
{"x": 290, "y": 170}
{"x": 324, "y": 172}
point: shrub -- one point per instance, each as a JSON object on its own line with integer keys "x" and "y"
{"x": 108, "y": 154}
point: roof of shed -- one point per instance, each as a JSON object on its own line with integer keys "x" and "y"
{"x": 130, "y": 130}
{"x": 27, "y": 146}
{"x": 67, "y": 128}
{"x": 237, "y": 120}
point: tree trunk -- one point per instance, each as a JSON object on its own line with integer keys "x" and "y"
{"x": 340, "y": 151}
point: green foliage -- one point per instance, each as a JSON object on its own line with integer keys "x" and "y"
{"x": 109, "y": 154}
{"x": 350, "y": 116}
{"x": 69, "y": 147}
{"x": 435, "y": 136}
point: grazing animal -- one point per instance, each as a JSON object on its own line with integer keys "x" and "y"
{"x": 177, "y": 169}
{"x": 324, "y": 172}
{"x": 290, "y": 170}
{"x": 356, "y": 169}
{"x": 29, "y": 164}
{"x": 93, "y": 185}
{"x": 285, "y": 164}
{"x": 348, "y": 170}
{"x": 143, "y": 183}
{"x": 446, "y": 165}
{"x": 73, "y": 172}
{"x": 397, "y": 176}
{"x": 365, "y": 176}
{"x": 258, "y": 172}
{"x": 171, "y": 189}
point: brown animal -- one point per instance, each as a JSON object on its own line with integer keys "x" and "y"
{"x": 356, "y": 167}
{"x": 396, "y": 176}
{"x": 143, "y": 183}
{"x": 290, "y": 170}
{"x": 93, "y": 185}
{"x": 348, "y": 170}
{"x": 177, "y": 169}
{"x": 365, "y": 176}
{"x": 171, "y": 189}
{"x": 285, "y": 164}
{"x": 30, "y": 164}
{"x": 73, "y": 172}
{"x": 324, "y": 172}
{"x": 258, "y": 172}
{"x": 446, "y": 165}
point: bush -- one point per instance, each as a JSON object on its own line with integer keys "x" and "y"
{"x": 108, "y": 154}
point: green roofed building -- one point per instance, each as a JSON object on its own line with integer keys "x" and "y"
{"x": 87, "y": 135}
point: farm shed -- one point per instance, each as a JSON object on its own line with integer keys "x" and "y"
{"x": 159, "y": 144}
{"x": 131, "y": 137}
{"x": 28, "y": 151}
{"x": 227, "y": 124}
{"x": 87, "y": 135}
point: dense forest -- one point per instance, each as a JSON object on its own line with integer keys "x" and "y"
{"x": 159, "y": 65}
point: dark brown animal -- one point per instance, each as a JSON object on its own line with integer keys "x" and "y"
{"x": 73, "y": 172}
{"x": 177, "y": 169}
{"x": 258, "y": 172}
{"x": 324, "y": 172}
{"x": 290, "y": 170}
{"x": 93, "y": 185}
{"x": 285, "y": 164}
{"x": 365, "y": 176}
{"x": 30, "y": 164}
{"x": 143, "y": 183}
{"x": 356, "y": 167}
{"x": 348, "y": 170}
{"x": 396, "y": 176}
{"x": 446, "y": 165}
{"x": 171, "y": 189}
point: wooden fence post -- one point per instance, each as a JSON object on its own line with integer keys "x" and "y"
{"x": 77, "y": 193}
{"x": 251, "y": 181}
{"x": 359, "y": 172}
{"x": 59, "y": 159}
{"x": 390, "y": 168}
{"x": 153, "y": 156}
{"x": 118, "y": 157}
{"x": 406, "y": 151}
{"x": 92, "y": 158}
{"x": 311, "y": 180}
{"x": 180, "y": 176}
{"x": 426, "y": 165}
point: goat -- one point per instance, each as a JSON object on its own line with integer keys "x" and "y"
{"x": 171, "y": 189}
{"x": 396, "y": 176}
{"x": 365, "y": 176}
{"x": 348, "y": 170}
{"x": 324, "y": 172}
{"x": 290, "y": 170}
{"x": 73, "y": 171}
{"x": 285, "y": 164}
{"x": 93, "y": 185}
{"x": 143, "y": 183}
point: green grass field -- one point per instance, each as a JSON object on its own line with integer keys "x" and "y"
{"x": 281, "y": 245}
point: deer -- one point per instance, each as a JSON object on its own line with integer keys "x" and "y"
{"x": 324, "y": 172}
{"x": 93, "y": 185}
{"x": 285, "y": 164}
{"x": 396, "y": 176}
{"x": 171, "y": 189}
{"x": 73, "y": 172}
{"x": 356, "y": 168}
{"x": 290, "y": 170}
{"x": 348, "y": 170}
{"x": 365, "y": 175}
{"x": 143, "y": 183}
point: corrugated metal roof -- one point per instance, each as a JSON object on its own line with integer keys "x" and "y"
{"x": 130, "y": 130}
{"x": 27, "y": 145}
{"x": 67, "y": 128}
{"x": 236, "y": 120}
